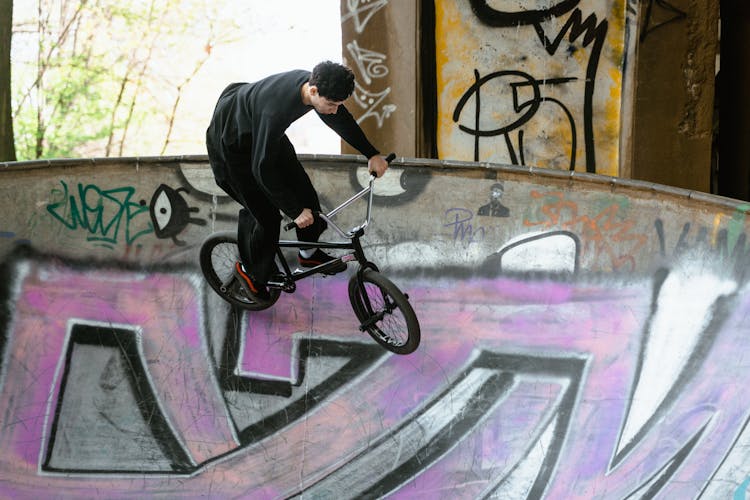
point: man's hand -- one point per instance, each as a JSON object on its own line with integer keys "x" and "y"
{"x": 377, "y": 165}
{"x": 305, "y": 218}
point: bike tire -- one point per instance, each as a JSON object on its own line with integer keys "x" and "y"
{"x": 384, "y": 312}
{"x": 218, "y": 255}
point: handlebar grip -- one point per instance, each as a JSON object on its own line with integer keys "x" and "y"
{"x": 292, "y": 225}
{"x": 388, "y": 160}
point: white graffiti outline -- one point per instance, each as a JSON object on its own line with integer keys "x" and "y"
{"x": 369, "y": 101}
{"x": 370, "y": 63}
{"x": 356, "y": 8}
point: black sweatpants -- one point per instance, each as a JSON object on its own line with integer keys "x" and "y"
{"x": 259, "y": 220}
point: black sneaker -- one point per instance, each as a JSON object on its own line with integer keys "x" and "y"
{"x": 254, "y": 290}
{"x": 320, "y": 257}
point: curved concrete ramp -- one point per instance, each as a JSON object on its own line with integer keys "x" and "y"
{"x": 583, "y": 337}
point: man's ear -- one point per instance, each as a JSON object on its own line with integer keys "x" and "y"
{"x": 312, "y": 89}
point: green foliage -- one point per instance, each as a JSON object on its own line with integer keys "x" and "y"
{"x": 73, "y": 111}
{"x": 91, "y": 71}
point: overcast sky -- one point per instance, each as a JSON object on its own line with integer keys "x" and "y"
{"x": 279, "y": 35}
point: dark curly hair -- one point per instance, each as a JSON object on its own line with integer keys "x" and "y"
{"x": 334, "y": 81}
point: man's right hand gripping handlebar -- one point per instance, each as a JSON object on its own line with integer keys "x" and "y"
{"x": 306, "y": 218}
{"x": 377, "y": 165}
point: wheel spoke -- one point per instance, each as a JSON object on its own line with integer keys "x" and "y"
{"x": 384, "y": 311}
{"x": 386, "y": 318}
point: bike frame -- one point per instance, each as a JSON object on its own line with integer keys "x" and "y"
{"x": 289, "y": 278}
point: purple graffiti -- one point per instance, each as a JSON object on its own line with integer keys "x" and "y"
{"x": 521, "y": 387}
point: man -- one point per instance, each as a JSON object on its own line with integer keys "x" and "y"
{"x": 256, "y": 164}
{"x": 495, "y": 207}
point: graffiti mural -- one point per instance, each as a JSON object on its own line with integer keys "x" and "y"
{"x": 370, "y": 65}
{"x": 111, "y": 216}
{"x": 576, "y": 343}
{"x": 525, "y": 84}
{"x": 107, "y": 215}
{"x": 659, "y": 13}
{"x": 170, "y": 213}
{"x": 116, "y": 375}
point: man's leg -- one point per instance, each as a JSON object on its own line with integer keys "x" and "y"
{"x": 258, "y": 233}
{"x": 311, "y": 201}
{"x": 303, "y": 187}
{"x": 256, "y": 251}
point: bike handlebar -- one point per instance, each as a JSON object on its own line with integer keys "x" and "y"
{"x": 388, "y": 159}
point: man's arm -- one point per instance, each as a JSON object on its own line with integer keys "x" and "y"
{"x": 344, "y": 124}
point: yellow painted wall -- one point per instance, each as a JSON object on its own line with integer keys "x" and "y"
{"x": 522, "y": 85}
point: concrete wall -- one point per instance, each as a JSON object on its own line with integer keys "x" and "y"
{"x": 582, "y": 337}
{"x": 381, "y": 47}
{"x": 674, "y": 97}
{"x": 513, "y": 83}
{"x": 615, "y": 87}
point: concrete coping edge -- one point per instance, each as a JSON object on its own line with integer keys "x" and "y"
{"x": 615, "y": 183}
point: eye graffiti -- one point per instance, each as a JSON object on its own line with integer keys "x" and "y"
{"x": 170, "y": 213}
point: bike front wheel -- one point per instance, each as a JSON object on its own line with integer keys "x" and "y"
{"x": 218, "y": 255}
{"x": 384, "y": 312}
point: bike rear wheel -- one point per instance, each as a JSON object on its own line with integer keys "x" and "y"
{"x": 218, "y": 255}
{"x": 384, "y": 312}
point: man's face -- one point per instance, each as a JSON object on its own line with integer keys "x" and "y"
{"x": 323, "y": 105}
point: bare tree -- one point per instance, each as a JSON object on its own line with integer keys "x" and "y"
{"x": 7, "y": 147}
{"x": 212, "y": 32}
{"x": 179, "y": 89}
{"x": 133, "y": 75}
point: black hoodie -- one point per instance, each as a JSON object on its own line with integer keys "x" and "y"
{"x": 250, "y": 120}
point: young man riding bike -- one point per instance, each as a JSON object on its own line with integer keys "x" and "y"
{"x": 254, "y": 162}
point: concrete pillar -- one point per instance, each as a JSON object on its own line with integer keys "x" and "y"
{"x": 381, "y": 45}
{"x": 673, "y": 100}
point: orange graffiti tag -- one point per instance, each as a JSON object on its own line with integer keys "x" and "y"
{"x": 606, "y": 236}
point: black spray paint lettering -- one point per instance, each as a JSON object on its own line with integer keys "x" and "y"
{"x": 594, "y": 34}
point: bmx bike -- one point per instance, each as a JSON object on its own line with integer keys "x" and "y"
{"x": 382, "y": 309}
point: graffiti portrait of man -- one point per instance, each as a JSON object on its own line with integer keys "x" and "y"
{"x": 495, "y": 208}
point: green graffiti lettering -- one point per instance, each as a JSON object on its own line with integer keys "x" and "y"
{"x": 103, "y": 213}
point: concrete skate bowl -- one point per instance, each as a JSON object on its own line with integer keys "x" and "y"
{"x": 582, "y": 337}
